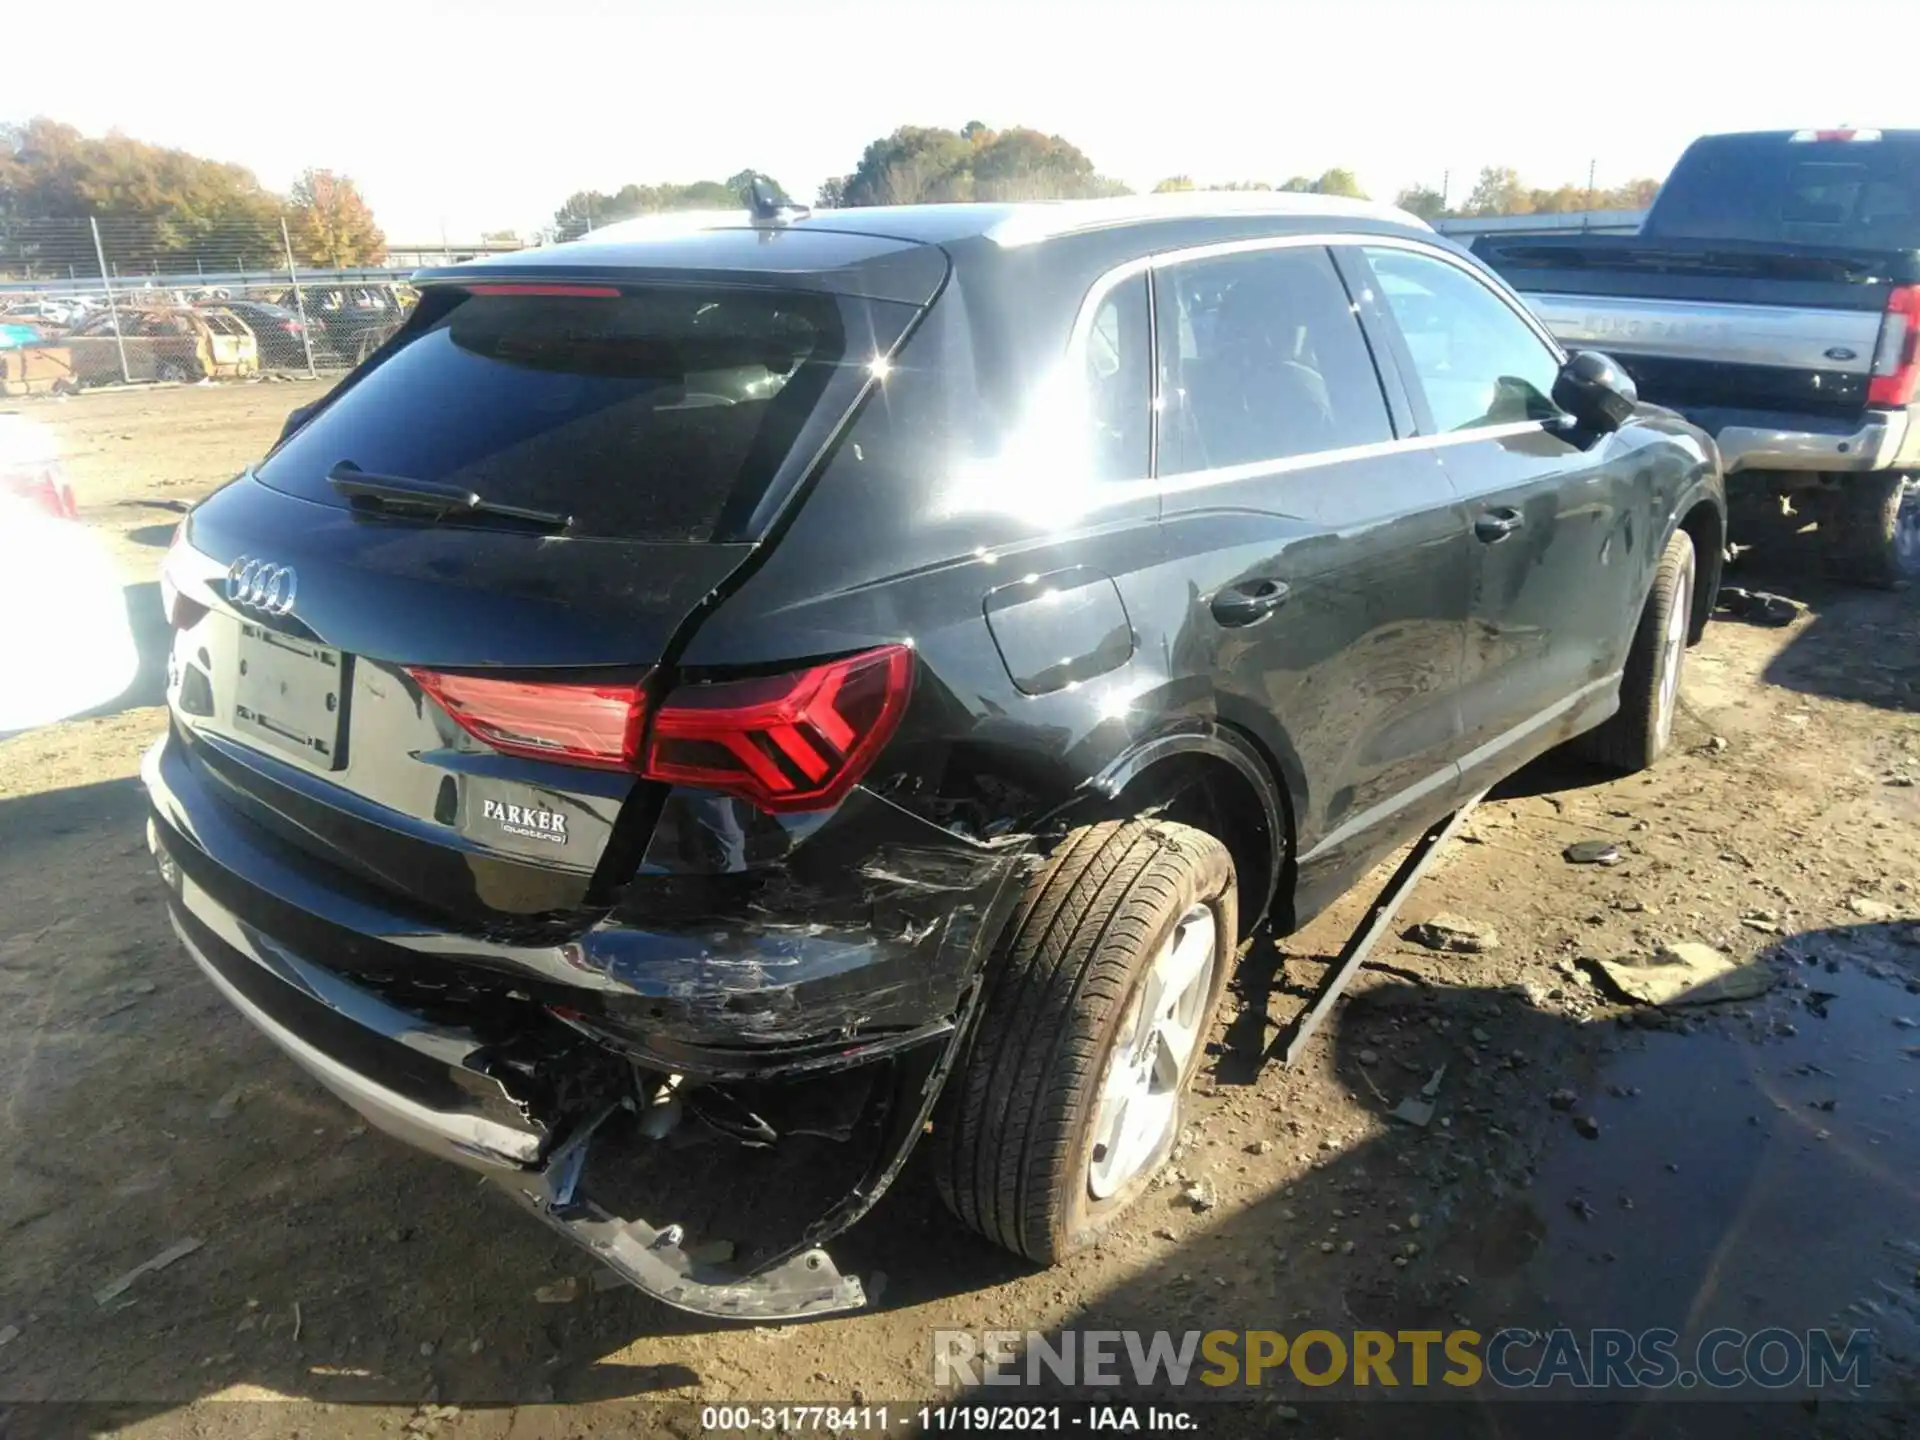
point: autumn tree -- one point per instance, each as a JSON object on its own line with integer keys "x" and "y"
{"x": 1499, "y": 191}
{"x": 1174, "y": 184}
{"x": 330, "y": 224}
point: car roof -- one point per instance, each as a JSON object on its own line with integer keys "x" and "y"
{"x": 844, "y": 240}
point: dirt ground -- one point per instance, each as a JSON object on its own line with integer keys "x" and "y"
{"x": 1754, "y": 1163}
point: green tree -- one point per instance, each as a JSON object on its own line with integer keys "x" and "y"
{"x": 1339, "y": 182}
{"x": 1328, "y": 182}
{"x": 915, "y": 163}
{"x": 1174, "y": 184}
{"x": 1419, "y": 200}
{"x": 919, "y": 164}
{"x": 157, "y": 205}
{"x": 330, "y": 223}
{"x": 586, "y": 210}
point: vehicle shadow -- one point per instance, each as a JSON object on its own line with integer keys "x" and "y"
{"x": 1858, "y": 645}
{"x": 1687, "y": 1181}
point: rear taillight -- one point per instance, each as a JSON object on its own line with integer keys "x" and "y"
{"x": 1896, "y": 359}
{"x": 1812, "y": 137}
{"x": 597, "y": 725}
{"x": 798, "y": 741}
{"x": 182, "y": 611}
{"x": 46, "y": 490}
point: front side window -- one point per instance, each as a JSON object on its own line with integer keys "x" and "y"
{"x": 1477, "y": 362}
{"x": 1262, "y": 359}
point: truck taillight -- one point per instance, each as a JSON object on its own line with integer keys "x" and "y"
{"x": 1896, "y": 359}
{"x": 796, "y": 741}
{"x": 1821, "y": 137}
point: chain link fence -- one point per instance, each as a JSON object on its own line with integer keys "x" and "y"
{"x": 110, "y": 301}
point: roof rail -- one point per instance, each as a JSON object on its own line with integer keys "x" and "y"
{"x": 1042, "y": 220}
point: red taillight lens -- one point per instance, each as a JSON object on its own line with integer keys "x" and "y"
{"x": 46, "y": 490}
{"x": 799, "y": 741}
{"x": 596, "y": 725}
{"x": 1896, "y": 360}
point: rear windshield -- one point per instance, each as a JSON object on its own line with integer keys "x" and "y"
{"x": 1859, "y": 194}
{"x": 645, "y": 415}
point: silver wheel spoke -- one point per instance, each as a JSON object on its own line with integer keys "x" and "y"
{"x": 1152, "y": 1052}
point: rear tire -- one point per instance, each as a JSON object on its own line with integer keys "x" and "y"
{"x": 1640, "y": 732}
{"x": 1875, "y": 539}
{"x": 1095, "y": 1018}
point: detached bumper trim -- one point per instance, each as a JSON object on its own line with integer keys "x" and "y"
{"x": 470, "y": 1139}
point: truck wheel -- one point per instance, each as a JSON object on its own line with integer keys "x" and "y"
{"x": 1638, "y": 734}
{"x": 1875, "y": 521}
{"x": 1095, "y": 1017}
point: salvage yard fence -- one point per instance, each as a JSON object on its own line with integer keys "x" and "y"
{"x": 118, "y": 300}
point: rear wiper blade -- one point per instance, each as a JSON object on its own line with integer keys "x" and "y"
{"x": 402, "y": 493}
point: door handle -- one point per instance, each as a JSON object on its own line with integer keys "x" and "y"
{"x": 1492, "y": 526}
{"x": 1249, "y": 602}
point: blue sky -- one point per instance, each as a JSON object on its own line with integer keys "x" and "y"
{"x": 482, "y": 114}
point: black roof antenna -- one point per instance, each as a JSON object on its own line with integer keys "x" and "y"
{"x": 766, "y": 204}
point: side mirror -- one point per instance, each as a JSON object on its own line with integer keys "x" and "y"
{"x": 1595, "y": 391}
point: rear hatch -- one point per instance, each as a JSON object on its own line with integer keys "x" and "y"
{"x": 415, "y": 643}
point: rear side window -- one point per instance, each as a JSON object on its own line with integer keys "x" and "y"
{"x": 1262, "y": 359}
{"x": 1119, "y": 382}
{"x": 648, "y": 415}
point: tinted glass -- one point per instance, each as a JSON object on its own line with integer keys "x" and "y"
{"x": 1863, "y": 193}
{"x": 1477, "y": 362}
{"x": 641, "y": 415}
{"x": 1262, "y": 359}
{"x": 1120, "y": 382}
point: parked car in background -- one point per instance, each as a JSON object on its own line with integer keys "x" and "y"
{"x": 163, "y": 343}
{"x": 279, "y": 332}
{"x": 357, "y": 319}
{"x": 701, "y": 711}
{"x": 62, "y": 659}
{"x": 1772, "y": 297}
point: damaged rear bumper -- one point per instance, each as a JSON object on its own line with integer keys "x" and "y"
{"x": 553, "y": 1124}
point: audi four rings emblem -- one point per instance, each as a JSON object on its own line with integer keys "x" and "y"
{"x": 258, "y": 585}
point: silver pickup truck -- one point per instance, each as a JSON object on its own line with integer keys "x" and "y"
{"x": 1773, "y": 298}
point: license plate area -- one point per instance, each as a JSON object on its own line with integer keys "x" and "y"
{"x": 292, "y": 695}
